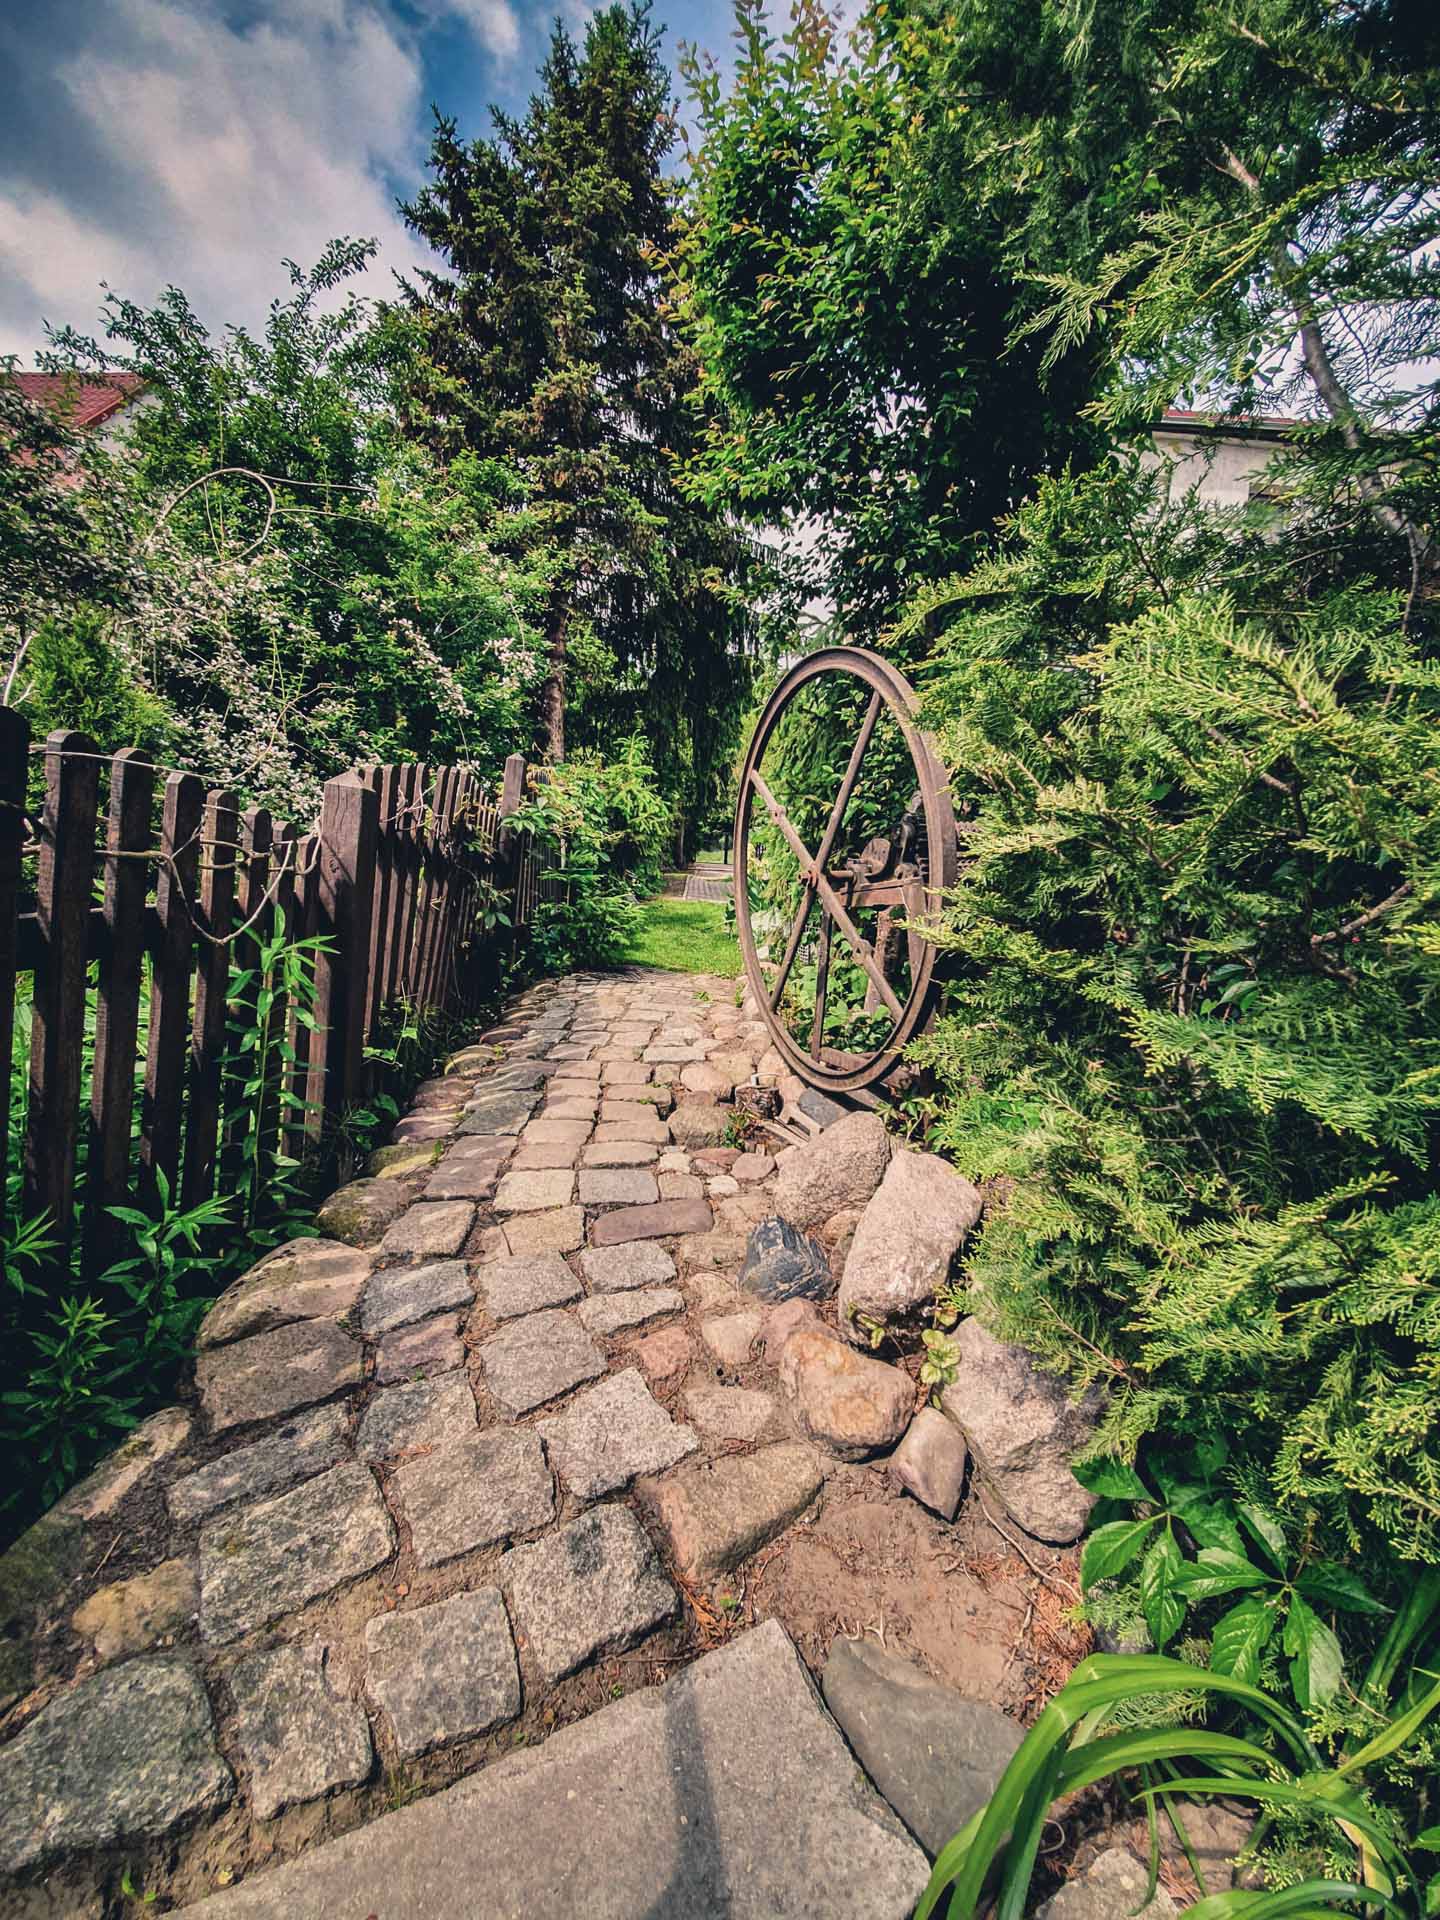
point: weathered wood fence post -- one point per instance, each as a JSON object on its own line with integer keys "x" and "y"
{"x": 349, "y": 827}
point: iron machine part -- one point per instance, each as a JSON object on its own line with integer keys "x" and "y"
{"x": 899, "y": 874}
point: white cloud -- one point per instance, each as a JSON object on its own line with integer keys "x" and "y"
{"x": 226, "y": 149}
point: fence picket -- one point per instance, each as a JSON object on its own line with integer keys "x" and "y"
{"x": 117, "y": 1011}
{"x": 161, "y": 1104}
{"x": 348, "y": 830}
{"x": 62, "y": 907}
{"x": 14, "y": 765}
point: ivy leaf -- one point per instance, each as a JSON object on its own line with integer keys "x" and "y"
{"x": 1163, "y": 1607}
{"x": 1316, "y": 1663}
{"x": 1266, "y": 1529}
{"x": 1329, "y": 1584}
{"x": 1241, "y": 1636}
{"x": 1216, "y": 1571}
{"x": 1111, "y": 1548}
{"x": 1111, "y": 1480}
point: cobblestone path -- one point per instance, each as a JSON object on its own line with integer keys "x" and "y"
{"x": 463, "y": 1470}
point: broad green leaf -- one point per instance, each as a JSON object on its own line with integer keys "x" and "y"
{"x": 1215, "y": 1571}
{"x": 1111, "y": 1480}
{"x": 1316, "y": 1663}
{"x": 1266, "y": 1529}
{"x": 1428, "y": 1838}
{"x": 1241, "y": 1636}
{"x": 1160, "y": 1599}
{"x": 1329, "y": 1584}
{"x": 1209, "y": 1521}
{"x": 1111, "y": 1548}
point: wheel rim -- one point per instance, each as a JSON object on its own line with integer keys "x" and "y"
{"x": 892, "y": 695}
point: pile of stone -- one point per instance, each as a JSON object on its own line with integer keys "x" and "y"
{"x": 890, "y": 1222}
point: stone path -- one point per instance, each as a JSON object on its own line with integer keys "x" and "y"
{"x": 461, "y": 1472}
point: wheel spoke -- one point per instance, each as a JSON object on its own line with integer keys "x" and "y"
{"x": 822, "y": 989}
{"x": 827, "y": 844}
{"x": 831, "y": 900}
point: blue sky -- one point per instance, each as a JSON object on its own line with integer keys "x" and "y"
{"x": 199, "y": 142}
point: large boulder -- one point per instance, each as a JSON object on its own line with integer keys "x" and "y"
{"x": 841, "y": 1167}
{"x": 906, "y": 1239}
{"x": 849, "y": 1404}
{"x": 1024, "y": 1431}
{"x": 936, "y": 1756}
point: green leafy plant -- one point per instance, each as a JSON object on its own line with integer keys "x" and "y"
{"x": 1188, "y": 1543}
{"x": 941, "y": 1363}
{"x": 1073, "y": 1745}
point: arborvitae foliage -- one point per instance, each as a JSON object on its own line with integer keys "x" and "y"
{"x": 551, "y": 340}
{"x": 1197, "y": 951}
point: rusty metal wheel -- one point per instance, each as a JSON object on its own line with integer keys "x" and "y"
{"x": 859, "y": 883}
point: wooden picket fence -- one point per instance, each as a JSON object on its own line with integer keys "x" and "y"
{"x": 389, "y": 876}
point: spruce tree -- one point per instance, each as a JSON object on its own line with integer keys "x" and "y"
{"x": 550, "y": 340}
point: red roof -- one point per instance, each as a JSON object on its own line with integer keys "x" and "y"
{"x": 1240, "y": 424}
{"x": 81, "y": 402}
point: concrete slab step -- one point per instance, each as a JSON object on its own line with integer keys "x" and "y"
{"x": 728, "y": 1790}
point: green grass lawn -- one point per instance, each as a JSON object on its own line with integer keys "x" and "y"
{"x": 687, "y": 936}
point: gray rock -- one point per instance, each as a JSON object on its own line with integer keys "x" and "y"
{"x": 297, "y": 1449}
{"x": 698, "y": 1125}
{"x": 611, "y": 1433}
{"x": 397, "y": 1296}
{"x": 846, "y": 1402}
{"x": 299, "y": 1738}
{"x": 304, "y": 1280}
{"x": 906, "y": 1239}
{"x": 430, "y": 1230}
{"x": 729, "y": 1413}
{"x": 474, "y": 1491}
{"x": 781, "y": 1263}
{"x": 526, "y": 1285}
{"x": 594, "y": 1587}
{"x": 617, "y": 1187}
{"x": 418, "y": 1351}
{"x": 125, "y": 1755}
{"x": 820, "y": 1108}
{"x": 840, "y": 1168}
{"x": 443, "y": 1673}
{"x": 420, "y": 1414}
{"x": 635, "y": 1263}
{"x": 535, "y": 1192}
{"x": 1024, "y": 1431}
{"x": 1111, "y": 1888}
{"x": 505, "y": 1111}
{"x": 360, "y": 1212}
{"x": 936, "y": 1756}
{"x": 129, "y": 1616}
{"x": 536, "y": 1359}
{"x": 559, "y": 1230}
{"x": 36, "y": 1576}
{"x": 269, "y": 1559}
{"x": 1217, "y": 1832}
{"x": 608, "y": 1313}
{"x": 679, "y": 1786}
{"x": 274, "y": 1373}
{"x": 930, "y": 1462}
{"x": 716, "y": 1513}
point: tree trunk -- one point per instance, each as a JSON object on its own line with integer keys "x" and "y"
{"x": 550, "y": 733}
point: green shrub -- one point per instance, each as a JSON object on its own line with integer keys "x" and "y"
{"x": 1196, "y": 960}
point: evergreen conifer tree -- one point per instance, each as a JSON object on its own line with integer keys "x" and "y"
{"x": 550, "y": 340}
